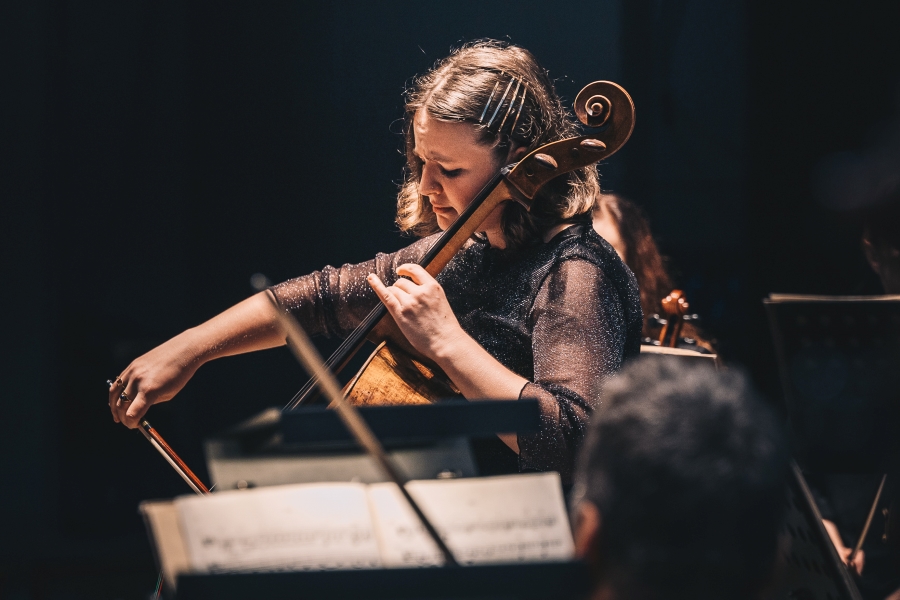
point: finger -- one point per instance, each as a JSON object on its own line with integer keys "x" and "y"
{"x": 124, "y": 398}
{"x": 406, "y": 285}
{"x": 115, "y": 387}
{"x": 136, "y": 409}
{"x": 415, "y": 272}
{"x": 385, "y": 294}
{"x": 376, "y": 284}
{"x": 112, "y": 404}
{"x": 114, "y": 390}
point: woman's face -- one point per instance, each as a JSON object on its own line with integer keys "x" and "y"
{"x": 455, "y": 167}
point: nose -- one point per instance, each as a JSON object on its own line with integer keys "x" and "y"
{"x": 428, "y": 183}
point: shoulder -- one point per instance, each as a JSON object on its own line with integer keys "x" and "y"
{"x": 413, "y": 253}
{"x": 582, "y": 260}
{"x": 584, "y": 249}
{"x": 581, "y": 241}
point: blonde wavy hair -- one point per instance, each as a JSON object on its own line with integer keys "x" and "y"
{"x": 457, "y": 89}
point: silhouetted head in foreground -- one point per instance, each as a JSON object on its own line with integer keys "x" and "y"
{"x": 680, "y": 485}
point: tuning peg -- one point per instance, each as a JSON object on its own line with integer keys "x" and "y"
{"x": 592, "y": 144}
{"x": 545, "y": 160}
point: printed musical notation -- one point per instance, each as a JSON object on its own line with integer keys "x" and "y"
{"x": 317, "y": 526}
{"x": 355, "y": 526}
{"x": 484, "y": 520}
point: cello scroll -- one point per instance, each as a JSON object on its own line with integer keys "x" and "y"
{"x": 602, "y": 104}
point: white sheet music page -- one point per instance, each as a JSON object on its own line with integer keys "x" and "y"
{"x": 483, "y": 520}
{"x": 290, "y": 527}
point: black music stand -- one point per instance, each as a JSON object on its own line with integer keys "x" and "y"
{"x": 809, "y": 568}
{"x": 839, "y": 360}
{"x": 311, "y": 444}
{"x": 313, "y": 434}
{"x": 524, "y": 581}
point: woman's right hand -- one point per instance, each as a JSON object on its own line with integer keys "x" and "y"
{"x": 155, "y": 377}
{"x": 161, "y": 373}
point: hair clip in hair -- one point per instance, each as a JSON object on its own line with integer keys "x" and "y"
{"x": 498, "y": 126}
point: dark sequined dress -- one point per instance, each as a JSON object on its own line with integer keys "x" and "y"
{"x": 564, "y": 315}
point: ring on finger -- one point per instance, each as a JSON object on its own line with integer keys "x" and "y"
{"x": 124, "y": 397}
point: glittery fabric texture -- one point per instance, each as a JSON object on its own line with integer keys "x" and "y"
{"x": 564, "y": 315}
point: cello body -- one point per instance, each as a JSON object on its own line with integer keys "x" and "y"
{"x": 393, "y": 376}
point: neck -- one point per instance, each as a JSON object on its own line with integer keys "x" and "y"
{"x": 496, "y": 238}
{"x": 553, "y": 231}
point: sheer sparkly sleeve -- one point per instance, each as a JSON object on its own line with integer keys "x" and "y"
{"x": 578, "y": 341}
{"x": 333, "y": 301}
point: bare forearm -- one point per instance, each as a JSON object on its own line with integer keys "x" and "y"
{"x": 161, "y": 373}
{"x": 245, "y": 327}
{"x": 478, "y": 375}
{"x": 834, "y": 534}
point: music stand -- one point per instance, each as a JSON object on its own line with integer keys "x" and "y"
{"x": 839, "y": 361}
{"x": 310, "y": 444}
{"x": 527, "y": 581}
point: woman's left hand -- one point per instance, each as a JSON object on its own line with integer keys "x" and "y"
{"x": 421, "y": 310}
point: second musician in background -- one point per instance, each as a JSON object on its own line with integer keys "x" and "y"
{"x": 623, "y": 224}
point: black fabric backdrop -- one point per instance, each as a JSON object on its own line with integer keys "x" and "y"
{"x": 157, "y": 154}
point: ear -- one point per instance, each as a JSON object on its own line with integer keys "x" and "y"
{"x": 516, "y": 154}
{"x": 587, "y": 529}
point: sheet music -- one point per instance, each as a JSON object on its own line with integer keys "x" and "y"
{"x": 483, "y": 520}
{"x": 292, "y": 527}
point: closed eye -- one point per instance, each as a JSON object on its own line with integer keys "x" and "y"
{"x": 449, "y": 173}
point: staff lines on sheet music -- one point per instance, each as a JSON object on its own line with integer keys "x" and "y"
{"x": 518, "y": 550}
{"x": 488, "y": 526}
{"x": 316, "y": 537}
{"x": 294, "y": 565}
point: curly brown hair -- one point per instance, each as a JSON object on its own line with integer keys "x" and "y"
{"x": 641, "y": 253}
{"x": 457, "y": 89}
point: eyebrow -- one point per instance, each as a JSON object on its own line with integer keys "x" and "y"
{"x": 434, "y": 156}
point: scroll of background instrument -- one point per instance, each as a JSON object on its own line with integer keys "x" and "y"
{"x": 673, "y": 332}
{"x": 356, "y": 526}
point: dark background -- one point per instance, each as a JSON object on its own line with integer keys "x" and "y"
{"x": 155, "y": 155}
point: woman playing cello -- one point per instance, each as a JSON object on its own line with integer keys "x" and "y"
{"x": 537, "y": 306}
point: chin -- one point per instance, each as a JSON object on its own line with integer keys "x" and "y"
{"x": 444, "y": 221}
